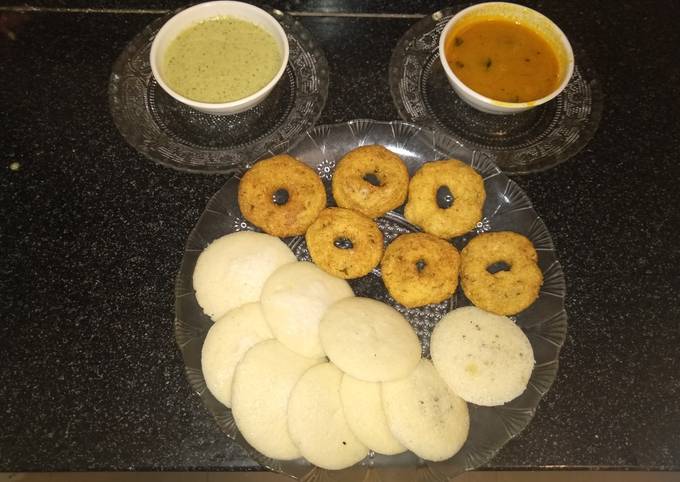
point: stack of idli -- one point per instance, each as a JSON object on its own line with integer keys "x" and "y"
{"x": 232, "y": 270}
{"x": 310, "y": 370}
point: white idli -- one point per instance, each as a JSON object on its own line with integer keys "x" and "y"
{"x": 485, "y": 358}
{"x": 369, "y": 340}
{"x": 294, "y": 299}
{"x": 316, "y": 421}
{"x": 232, "y": 270}
{"x": 262, "y": 384}
{"x": 362, "y": 404}
{"x": 226, "y": 343}
{"x": 424, "y": 415}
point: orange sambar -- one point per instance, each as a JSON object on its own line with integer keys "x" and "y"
{"x": 502, "y": 60}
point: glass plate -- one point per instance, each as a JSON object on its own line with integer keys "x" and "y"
{"x": 507, "y": 208}
{"x": 174, "y": 135}
{"x": 530, "y": 141}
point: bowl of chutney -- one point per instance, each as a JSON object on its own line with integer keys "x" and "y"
{"x": 220, "y": 57}
{"x": 504, "y": 58}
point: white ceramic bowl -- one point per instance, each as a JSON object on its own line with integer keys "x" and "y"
{"x": 525, "y": 16}
{"x": 203, "y": 11}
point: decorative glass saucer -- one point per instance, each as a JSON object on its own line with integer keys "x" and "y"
{"x": 177, "y": 136}
{"x": 530, "y": 141}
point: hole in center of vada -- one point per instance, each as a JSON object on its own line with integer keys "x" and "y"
{"x": 280, "y": 197}
{"x": 371, "y": 178}
{"x": 498, "y": 266}
{"x": 343, "y": 243}
{"x": 444, "y": 197}
{"x": 420, "y": 265}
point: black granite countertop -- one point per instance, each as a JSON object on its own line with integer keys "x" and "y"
{"x": 91, "y": 236}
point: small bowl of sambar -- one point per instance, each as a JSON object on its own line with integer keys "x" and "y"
{"x": 504, "y": 58}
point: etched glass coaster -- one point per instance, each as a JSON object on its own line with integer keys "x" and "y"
{"x": 530, "y": 141}
{"x": 177, "y": 136}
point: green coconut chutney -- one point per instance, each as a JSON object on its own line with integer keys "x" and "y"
{"x": 221, "y": 59}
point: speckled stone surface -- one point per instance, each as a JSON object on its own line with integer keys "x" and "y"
{"x": 324, "y": 6}
{"x": 92, "y": 236}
